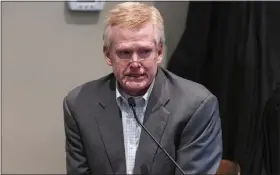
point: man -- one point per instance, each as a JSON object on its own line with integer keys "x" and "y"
{"x": 102, "y": 135}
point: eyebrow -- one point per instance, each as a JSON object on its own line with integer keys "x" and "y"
{"x": 137, "y": 46}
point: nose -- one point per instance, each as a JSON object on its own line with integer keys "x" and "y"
{"x": 134, "y": 57}
{"x": 135, "y": 61}
{"x": 135, "y": 64}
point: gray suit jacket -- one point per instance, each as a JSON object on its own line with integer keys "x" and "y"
{"x": 182, "y": 115}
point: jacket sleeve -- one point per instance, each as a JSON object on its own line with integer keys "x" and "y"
{"x": 200, "y": 149}
{"x": 76, "y": 162}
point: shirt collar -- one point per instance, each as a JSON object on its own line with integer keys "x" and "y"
{"x": 122, "y": 96}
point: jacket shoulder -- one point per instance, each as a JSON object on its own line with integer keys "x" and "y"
{"x": 188, "y": 91}
{"x": 72, "y": 95}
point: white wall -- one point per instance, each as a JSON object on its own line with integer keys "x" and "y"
{"x": 46, "y": 51}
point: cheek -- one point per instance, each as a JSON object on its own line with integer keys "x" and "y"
{"x": 118, "y": 71}
{"x": 151, "y": 70}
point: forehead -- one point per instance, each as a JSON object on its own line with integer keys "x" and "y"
{"x": 123, "y": 37}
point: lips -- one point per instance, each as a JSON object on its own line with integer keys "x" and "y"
{"x": 136, "y": 76}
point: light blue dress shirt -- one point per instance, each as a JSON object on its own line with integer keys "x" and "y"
{"x": 131, "y": 129}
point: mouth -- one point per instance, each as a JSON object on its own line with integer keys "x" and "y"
{"x": 136, "y": 76}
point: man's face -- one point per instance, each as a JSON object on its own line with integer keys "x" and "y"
{"x": 134, "y": 57}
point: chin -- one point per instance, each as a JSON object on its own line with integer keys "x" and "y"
{"x": 137, "y": 84}
{"x": 136, "y": 87}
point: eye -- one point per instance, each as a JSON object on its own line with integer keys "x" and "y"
{"x": 144, "y": 53}
{"x": 124, "y": 54}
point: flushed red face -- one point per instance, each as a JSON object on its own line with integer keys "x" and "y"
{"x": 134, "y": 56}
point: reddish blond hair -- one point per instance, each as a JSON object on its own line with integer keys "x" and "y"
{"x": 134, "y": 15}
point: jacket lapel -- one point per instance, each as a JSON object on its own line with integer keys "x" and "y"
{"x": 155, "y": 121}
{"x": 110, "y": 127}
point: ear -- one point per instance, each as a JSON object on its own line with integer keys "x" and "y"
{"x": 106, "y": 52}
{"x": 160, "y": 53}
